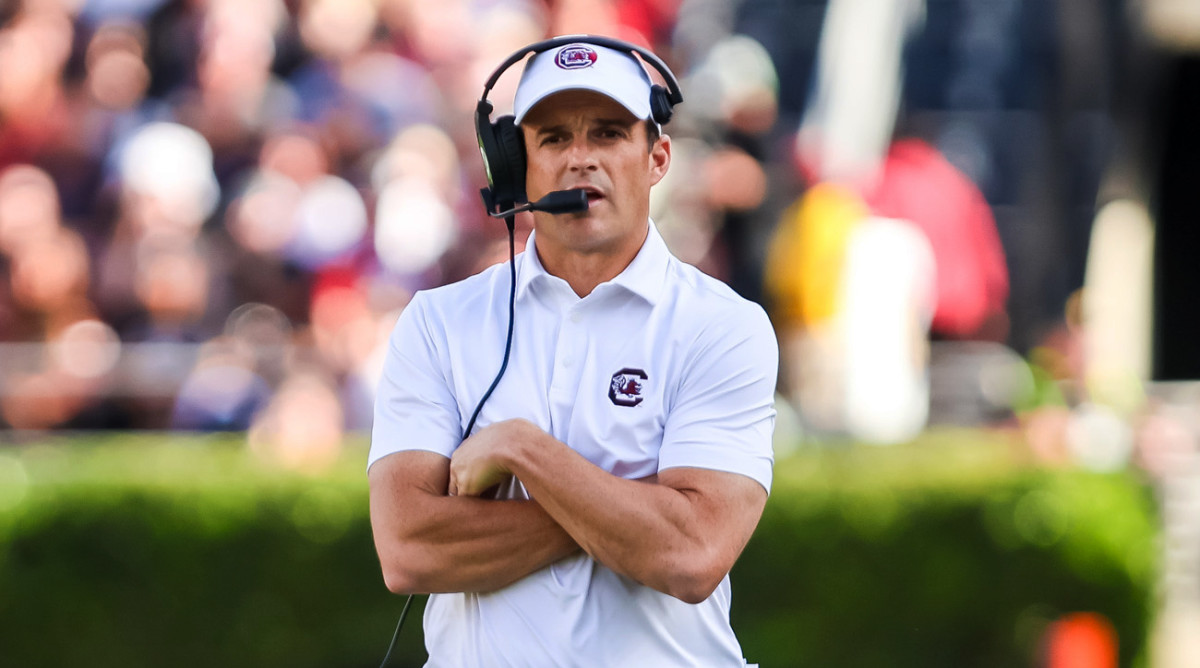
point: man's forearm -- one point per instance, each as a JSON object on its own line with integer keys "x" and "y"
{"x": 476, "y": 545}
{"x": 630, "y": 530}
{"x": 430, "y": 542}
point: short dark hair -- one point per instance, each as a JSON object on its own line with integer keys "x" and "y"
{"x": 653, "y": 132}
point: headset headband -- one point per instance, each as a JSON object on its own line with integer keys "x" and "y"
{"x": 674, "y": 94}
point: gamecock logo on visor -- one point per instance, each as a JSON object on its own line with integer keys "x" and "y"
{"x": 575, "y": 57}
{"x": 626, "y": 387}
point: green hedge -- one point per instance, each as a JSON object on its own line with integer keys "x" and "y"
{"x": 945, "y": 553}
{"x": 159, "y": 550}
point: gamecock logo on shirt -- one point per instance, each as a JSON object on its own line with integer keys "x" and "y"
{"x": 626, "y": 387}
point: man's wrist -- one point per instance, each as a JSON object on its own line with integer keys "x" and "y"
{"x": 527, "y": 438}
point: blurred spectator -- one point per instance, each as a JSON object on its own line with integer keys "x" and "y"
{"x": 852, "y": 297}
{"x": 918, "y": 184}
{"x": 34, "y": 49}
{"x": 171, "y": 280}
{"x": 117, "y": 76}
{"x": 303, "y": 425}
{"x": 236, "y": 372}
{"x": 263, "y": 221}
{"x": 222, "y": 392}
{"x": 29, "y": 208}
{"x": 236, "y": 97}
{"x": 50, "y": 279}
{"x": 803, "y": 282}
{"x": 167, "y": 190}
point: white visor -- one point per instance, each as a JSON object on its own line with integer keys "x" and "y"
{"x": 617, "y": 74}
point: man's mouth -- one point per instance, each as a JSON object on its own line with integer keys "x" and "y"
{"x": 593, "y": 194}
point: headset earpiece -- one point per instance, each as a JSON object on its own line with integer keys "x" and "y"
{"x": 503, "y": 151}
{"x": 512, "y": 151}
{"x": 661, "y": 108}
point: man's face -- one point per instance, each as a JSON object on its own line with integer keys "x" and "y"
{"x": 582, "y": 139}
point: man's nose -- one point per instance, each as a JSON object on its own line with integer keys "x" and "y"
{"x": 581, "y": 156}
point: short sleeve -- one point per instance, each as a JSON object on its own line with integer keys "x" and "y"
{"x": 414, "y": 407}
{"x": 723, "y": 414}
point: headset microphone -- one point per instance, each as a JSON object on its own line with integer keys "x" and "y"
{"x": 559, "y": 201}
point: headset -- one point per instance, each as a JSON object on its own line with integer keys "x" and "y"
{"x": 501, "y": 142}
{"x": 503, "y": 150}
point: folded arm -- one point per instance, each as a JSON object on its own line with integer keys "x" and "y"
{"x": 679, "y": 534}
{"x": 430, "y": 542}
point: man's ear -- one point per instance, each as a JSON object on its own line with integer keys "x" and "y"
{"x": 660, "y": 159}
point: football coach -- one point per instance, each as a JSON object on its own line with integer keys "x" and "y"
{"x": 583, "y": 505}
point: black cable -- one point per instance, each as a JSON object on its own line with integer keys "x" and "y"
{"x": 512, "y": 304}
{"x": 396, "y": 634}
{"x": 512, "y": 308}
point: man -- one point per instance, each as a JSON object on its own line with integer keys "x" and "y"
{"x": 631, "y": 433}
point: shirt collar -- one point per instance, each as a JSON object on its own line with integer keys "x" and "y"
{"x": 645, "y": 276}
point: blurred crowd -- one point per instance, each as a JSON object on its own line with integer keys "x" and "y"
{"x": 212, "y": 211}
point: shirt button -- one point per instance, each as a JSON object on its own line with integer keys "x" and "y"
{"x": 567, "y": 362}
{"x": 575, "y": 317}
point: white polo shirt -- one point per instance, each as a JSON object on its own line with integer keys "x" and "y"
{"x": 660, "y": 367}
